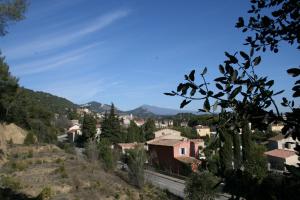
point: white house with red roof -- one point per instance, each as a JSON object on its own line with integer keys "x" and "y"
{"x": 278, "y": 158}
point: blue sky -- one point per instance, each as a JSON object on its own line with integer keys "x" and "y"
{"x": 129, "y": 52}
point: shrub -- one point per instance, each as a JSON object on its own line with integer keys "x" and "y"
{"x": 136, "y": 162}
{"x": 45, "y": 194}
{"x": 201, "y": 186}
{"x": 10, "y": 182}
{"x": 30, "y": 139}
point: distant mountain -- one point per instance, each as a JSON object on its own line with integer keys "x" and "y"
{"x": 99, "y": 107}
{"x": 152, "y": 111}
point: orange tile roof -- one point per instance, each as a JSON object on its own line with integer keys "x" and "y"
{"x": 165, "y": 142}
{"x": 128, "y": 145}
{"x": 281, "y": 153}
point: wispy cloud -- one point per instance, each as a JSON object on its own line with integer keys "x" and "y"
{"x": 54, "y": 61}
{"x": 60, "y": 39}
{"x": 81, "y": 89}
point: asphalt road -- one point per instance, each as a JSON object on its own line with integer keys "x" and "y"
{"x": 174, "y": 185}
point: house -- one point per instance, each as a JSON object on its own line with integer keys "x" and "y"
{"x": 281, "y": 142}
{"x": 126, "y": 146}
{"x": 176, "y": 155}
{"x": 276, "y": 127}
{"x": 73, "y": 132}
{"x": 202, "y": 131}
{"x": 184, "y": 124}
{"x": 139, "y": 122}
{"x": 278, "y": 158}
{"x": 98, "y": 132}
{"x": 125, "y": 119}
{"x": 163, "y": 123}
{"x": 167, "y": 132}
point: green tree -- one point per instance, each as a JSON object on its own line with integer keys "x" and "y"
{"x": 8, "y": 88}
{"x": 88, "y": 130}
{"x": 11, "y": 11}
{"x": 226, "y": 153}
{"x": 111, "y": 127}
{"x": 134, "y": 133}
{"x": 136, "y": 160}
{"x": 256, "y": 164}
{"x": 149, "y": 129}
{"x": 237, "y": 150}
{"x": 201, "y": 186}
{"x": 106, "y": 154}
{"x": 246, "y": 141}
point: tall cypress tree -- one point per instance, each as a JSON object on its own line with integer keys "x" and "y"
{"x": 111, "y": 127}
{"x": 246, "y": 140}
{"x": 226, "y": 153}
{"x": 236, "y": 150}
{"x": 88, "y": 130}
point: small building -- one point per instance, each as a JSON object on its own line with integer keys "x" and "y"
{"x": 202, "y": 131}
{"x": 73, "y": 132}
{"x": 139, "y": 122}
{"x": 126, "y": 146}
{"x": 278, "y": 158}
{"x": 178, "y": 156}
{"x": 281, "y": 142}
{"x": 276, "y": 128}
{"x": 167, "y": 134}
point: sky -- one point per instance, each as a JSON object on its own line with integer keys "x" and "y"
{"x": 129, "y": 52}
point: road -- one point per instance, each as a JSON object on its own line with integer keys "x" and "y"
{"x": 173, "y": 185}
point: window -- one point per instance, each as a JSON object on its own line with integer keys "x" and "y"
{"x": 182, "y": 151}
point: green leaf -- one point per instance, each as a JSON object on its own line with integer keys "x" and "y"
{"x": 221, "y": 69}
{"x": 184, "y": 103}
{"x": 244, "y": 55}
{"x": 235, "y": 92}
{"x": 193, "y": 91}
{"x": 219, "y": 86}
{"x": 192, "y": 75}
{"x": 294, "y": 71}
{"x": 256, "y": 60}
{"x": 203, "y": 92}
{"x": 179, "y": 87}
{"x": 220, "y": 94}
{"x": 204, "y": 71}
{"x": 169, "y": 94}
{"x": 206, "y": 105}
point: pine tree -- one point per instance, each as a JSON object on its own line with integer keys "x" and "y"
{"x": 111, "y": 128}
{"x": 88, "y": 130}
{"x": 148, "y": 129}
{"x": 134, "y": 133}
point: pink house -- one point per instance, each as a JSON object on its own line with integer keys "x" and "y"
{"x": 176, "y": 155}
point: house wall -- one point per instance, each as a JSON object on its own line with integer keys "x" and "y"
{"x": 292, "y": 160}
{"x": 164, "y": 132}
{"x": 183, "y": 144}
{"x": 202, "y": 132}
{"x": 276, "y": 162}
{"x": 286, "y": 143}
{"x": 163, "y": 157}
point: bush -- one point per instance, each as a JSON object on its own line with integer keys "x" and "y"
{"x": 201, "y": 186}
{"x": 10, "y": 182}
{"x": 136, "y": 162}
{"x": 45, "y": 194}
{"x": 30, "y": 139}
{"x": 107, "y": 155}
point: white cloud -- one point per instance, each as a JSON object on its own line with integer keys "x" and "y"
{"x": 60, "y": 39}
{"x": 53, "y": 62}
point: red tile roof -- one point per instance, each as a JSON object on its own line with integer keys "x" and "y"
{"x": 187, "y": 159}
{"x": 165, "y": 142}
{"x": 281, "y": 153}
